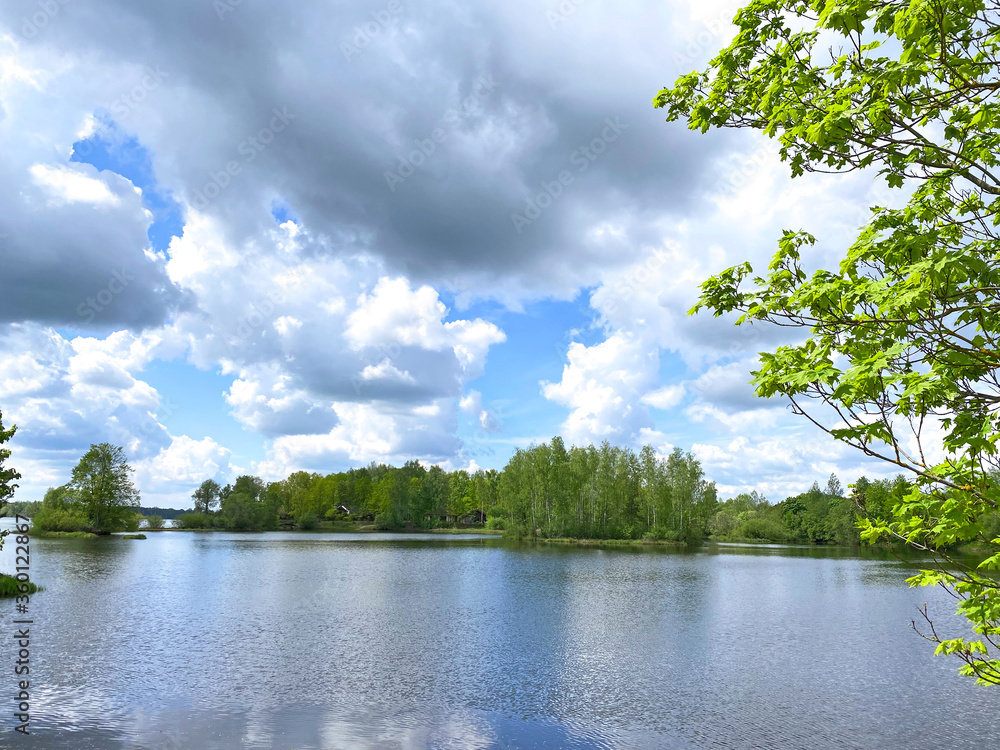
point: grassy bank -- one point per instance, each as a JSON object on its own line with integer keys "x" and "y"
{"x": 469, "y": 530}
{"x": 349, "y": 528}
{"x": 603, "y": 542}
{"x": 35, "y": 534}
{"x": 10, "y": 587}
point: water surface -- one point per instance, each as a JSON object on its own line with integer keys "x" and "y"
{"x": 290, "y": 640}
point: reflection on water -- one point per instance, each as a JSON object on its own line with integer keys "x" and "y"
{"x": 212, "y": 640}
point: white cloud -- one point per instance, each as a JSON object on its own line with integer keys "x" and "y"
{"x": 286, "y": 324}
{"x": 486, "y": 420}
{"x": 664, "y": 398}
{"x": 603, "y": 386}
{"x": 186, "y": 462}
{"x": 783, "y": 464}
{"x": 365, "y": 433}
{"x": 472, "y": 403}
{"x": 65, "y": 395}
{"x": 66, "y": 185}
{"x": 386, "y": 371}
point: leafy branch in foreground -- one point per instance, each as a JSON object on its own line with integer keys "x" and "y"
{"x": 903, "y": 343}
{"x": 7, "y": 475}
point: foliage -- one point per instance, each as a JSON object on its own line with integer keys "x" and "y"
{"x": 102, "y": 482}
{"x": 38, "y": 534}
{"x": 11, "y": 587}
{"x": 195, "y": 521}
{"x": 547, "y": 490}
{"x": 248, "y": 505}
{"x": 154, "y": 522}
{"x": 904, "y": 338}
{"x": 750, "y": 517}
{"x": 26, "y": 508}
{"x": 603, "y": 492}
{"x": 308, "y": 521}
{"x": 165, "y": 513}
{"x": 61, "y": 510}
{"x": 61, "y": 519}
{"x": 495, "y": 523}
{"x": 8, "y": 476}
{"x": 206, "y": 496}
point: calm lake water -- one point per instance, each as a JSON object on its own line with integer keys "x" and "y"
{"x": 281, "y": 640}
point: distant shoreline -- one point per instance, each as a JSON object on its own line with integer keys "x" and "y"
{"x": 341, "y": 530}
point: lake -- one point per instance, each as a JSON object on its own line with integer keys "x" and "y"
{"x": 340, "y": 641}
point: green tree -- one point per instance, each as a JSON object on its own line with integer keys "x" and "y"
{"x": 460, "y": 499}
{"x": 154, "y": 522}
{"x": 250, "y": 505}
{"x": 103, "y": 482}
{"x": 904, "y": 337}
{"x": 206, "y": 496}
{"x": 434, "y": 493}
{"x": 61, "y": 510}
{"x": 834, "y": 487}
{"x": 8, "y": 475}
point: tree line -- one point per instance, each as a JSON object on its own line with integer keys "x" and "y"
{"x": 549, "y": 491}
{"x": 545, "y": 491}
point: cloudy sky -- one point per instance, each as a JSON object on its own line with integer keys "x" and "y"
{"x": 248, "y": 236}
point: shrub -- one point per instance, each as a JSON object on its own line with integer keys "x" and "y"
{"x": 193, "y": 521}
{"x": 68, "y": 518}
{"x": 336, "y": 515}
{"x": 308, "y": 521}
{"x": 154, "y": 522}
{"x": 660, "y": 534}
{"x": 761, "y": 529}
{"x": 130, "y": 522}
{"x": 386, "y": 522}
{"x": 495, "y": 523}
{"x": 723, "y": 523}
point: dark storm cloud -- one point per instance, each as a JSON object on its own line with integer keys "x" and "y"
{"x": 412, "y": 131}
{"x": 78, "y": 264}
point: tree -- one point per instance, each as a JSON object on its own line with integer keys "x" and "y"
{"x": 834, "y": 487}
{"x": 154, "y": 522}
{"x": 904, "y": 337}
{"x": 8, "y": 476}
{"x": 249, "y": 505}
{"x": 206, "y": 496}
{"x": 103, "y": 481}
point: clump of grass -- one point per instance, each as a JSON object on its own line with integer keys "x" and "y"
{"x": 10, "y": 586}
{"x": 134, "y": 536}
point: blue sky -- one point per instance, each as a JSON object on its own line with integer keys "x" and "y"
{"x": 206, "y": 262}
